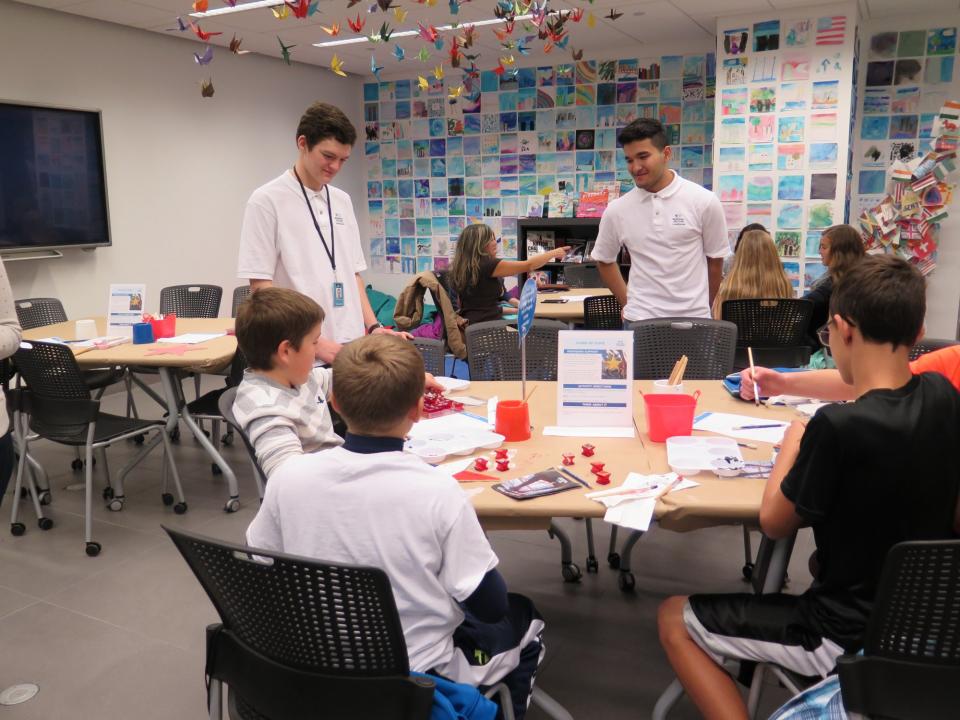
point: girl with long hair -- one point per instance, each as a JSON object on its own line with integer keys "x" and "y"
{"x": 756, "y": 272}
{"x": 476, "y": 272}
{"x": 841, "y": 247}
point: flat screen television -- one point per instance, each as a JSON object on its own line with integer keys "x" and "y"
{"x": 53, "y": 191}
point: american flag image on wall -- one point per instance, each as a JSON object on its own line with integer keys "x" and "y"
{"x": 830, "y": 30}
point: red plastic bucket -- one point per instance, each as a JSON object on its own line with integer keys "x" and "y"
{"x": 669, "y": 415}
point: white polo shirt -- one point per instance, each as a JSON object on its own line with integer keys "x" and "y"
{"x": 388, "y": 510}
{"x": 279, "y": 242}
{"x": 669, "y": 235}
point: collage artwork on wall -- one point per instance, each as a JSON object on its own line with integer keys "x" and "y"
{"x": 783, "y": 130}
{"x": 435, "y": 165}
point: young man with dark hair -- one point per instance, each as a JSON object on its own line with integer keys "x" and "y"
{"x": 865, "y": 475}
{"x": 673, "y": 229}
{"x": 300, "y": 232}
{"x": 370, "y": 503}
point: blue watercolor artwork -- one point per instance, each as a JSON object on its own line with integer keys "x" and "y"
{"x": 871, "y": 182}
{"x": 823, "y": 155}
{"x": 789, "y": 216}
{"x": 875, "y": 127}
{"x": 790, "y": 187}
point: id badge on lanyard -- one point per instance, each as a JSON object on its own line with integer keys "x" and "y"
{"x": 337, "y": 294}
{"x": 337, "y": 290}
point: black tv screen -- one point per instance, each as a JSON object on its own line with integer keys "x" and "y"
{"x": 53, "y": 191}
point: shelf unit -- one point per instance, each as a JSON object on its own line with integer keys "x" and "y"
{"x": 567, "y": 231}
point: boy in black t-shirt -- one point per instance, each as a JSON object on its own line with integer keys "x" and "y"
{"x": 865, "y": 475}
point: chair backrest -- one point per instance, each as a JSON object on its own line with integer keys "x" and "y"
{"x": 225, "y": 405}
{"x": 910, "y": 667}
{"x": 769, "y": 322}
{"x": 708, "y": 344}
{"x": 37, "y": 312}
{"x": 493, "y": 350}
{"x": 602, "y": 312}
{"x": 58, "y": 400}
{"x": 240, "y": 294}
{"x": 433, "y": 355}
{"x": 318, "y": 627}
{"x": 191, "y": 301}
{"x": 581, "y": 275}
{"x": 928, "y": 345}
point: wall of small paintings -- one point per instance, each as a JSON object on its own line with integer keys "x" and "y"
{"x": 783, "y": 122}
{"x": 436, "y": 163}
{"x": 907, "y": 73}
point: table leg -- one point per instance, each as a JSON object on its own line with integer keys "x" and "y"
{"x": 626, "y": 580}
{"x": 571, "y": 571}
{"x": 174, "y": 411}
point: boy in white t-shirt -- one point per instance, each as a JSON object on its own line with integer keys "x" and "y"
{"x": 369, "y": 503}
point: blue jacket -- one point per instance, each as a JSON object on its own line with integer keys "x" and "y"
{"x": 458, "y": 701}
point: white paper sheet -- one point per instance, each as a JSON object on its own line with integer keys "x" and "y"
{"x": 635, "y": 513}
{"x": 191, "y": 338}
{"x": 589, "y": 432}
{"x": 725, "y": 424}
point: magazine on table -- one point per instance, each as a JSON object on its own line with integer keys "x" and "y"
{"x": 538, "y": 484}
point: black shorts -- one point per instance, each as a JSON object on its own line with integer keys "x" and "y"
{"x": 759, "y": 628}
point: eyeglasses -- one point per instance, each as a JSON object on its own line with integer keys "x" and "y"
{"x": 823, "y": 335}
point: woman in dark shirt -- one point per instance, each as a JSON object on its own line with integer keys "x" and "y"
{"x": 476, "y": 272}
{"x": 840, "y": 248}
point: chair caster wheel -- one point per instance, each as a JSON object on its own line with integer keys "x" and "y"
{"x": 107, "y": 493}
{"x": 572, "y": 573}
{"x": 24, "y": 493}
{"x": 45, "y": 523}
{"x": 627, "y": 581}
{"x": 17, "y": 529}
{"x": 175, "y": 435}
{"x": 180, "y": 508}
{"x": 227, "y": 439}
{"x": 139, "y": 439}
{"x": 93, "y": 549}
{"x": 215, "y": 469}
{"x": 45, "y": 497}
{"x": 613, "y": 560}
{"x": 232, "y": 505}
{"x": 167, "y": 499}
{"x": 76, "y": 465}
{"x": 747, "y": 571}
{"x": 592, "y": 565}
{"x": 115, "y": 505}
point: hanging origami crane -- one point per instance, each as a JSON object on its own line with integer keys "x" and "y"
{"x": 468, "y": 36}
{"x": 438, "y": 72}
{"x": 399, "y": 53}
{"x": 454, "y": 7}
{"x": 332, "y": 31}
{"x": 336, "y": 64}
{"x": 181, "y": 26}
{"x": 428, "y": 33}
{"x": 577, "y": 15}
{"x": 591, "y": 20}
{"x": 201, "y": 34}
{"x": 281, "y": 12}
{"x": 423, "y": 55}
{"x": 204, "y": 59}
{"x": 206, "y": 88}
{"x": 576, "y": 54}
{"x": 200, "y": 6}
{"x": 385, "y": 32}
{"x": 374, "y": 68}
{"x": 400, "y": 14}
{"x": 235, "y": 46}
{"x": 422, "y": 82}
{"x": 285, "y": 50}
{"x": 299, "y": 9}
{"x": 357, "y": 26}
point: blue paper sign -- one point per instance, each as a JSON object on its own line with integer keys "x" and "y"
{"x": 528, "y": 303}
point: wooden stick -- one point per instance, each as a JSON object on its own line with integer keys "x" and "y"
{"x": 753, "y": 374}
{"x": 681, "y": 370}
{"x": 531, "y": 393}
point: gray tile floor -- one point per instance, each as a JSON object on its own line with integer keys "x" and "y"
{"x": 121, "y": 635}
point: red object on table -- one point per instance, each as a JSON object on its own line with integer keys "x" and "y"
{"x": 480, "y": 464}
{"x": 568, "y": 458}
{"x": 501, "y": 453}
{"x": 588, "y": 450}
{"x": 596, "y": 467}
{"x": 603, "y": 478}
{"x": 436, "y": 405}
{"x": 503, "y": 465}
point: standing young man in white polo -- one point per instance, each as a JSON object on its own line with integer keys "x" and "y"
{"x": 300, "y": 232}
{"x": 673, "y": 229}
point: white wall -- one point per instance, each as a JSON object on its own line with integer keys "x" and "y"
{"x": 943, "y": 293}
{"x": 179, "y": 167}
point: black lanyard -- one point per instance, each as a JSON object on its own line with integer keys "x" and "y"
{"x": 332, "y": 248}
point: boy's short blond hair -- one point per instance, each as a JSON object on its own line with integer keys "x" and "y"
{"x": 268, "y": 317}
{"x": 376, "y": 380}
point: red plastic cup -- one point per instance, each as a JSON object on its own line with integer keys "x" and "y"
{"x": 670, "y": 415}
{"x": 513, "y": 420}
{"x": 165, "y": 328}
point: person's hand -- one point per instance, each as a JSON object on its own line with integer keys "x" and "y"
{"x": 513, "y": 302}
{"x": 327, "y": 350}
{"x": 559, "y": 253}
{"x": 388, "y": 331}
{"x": 789, "y": 446}
{"x": 431, "y": 384}
{"x": 770, "y": 382}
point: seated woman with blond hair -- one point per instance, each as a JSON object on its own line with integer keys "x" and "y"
{"x": 756, "y": 272}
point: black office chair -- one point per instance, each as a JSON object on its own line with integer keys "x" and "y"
{"x": 225, "y": 406}
{"x": 928, "y": 345}
{"x": 57, "y": 406}
{"x": 776, "y": 330}
{"x": 910, "y": 666}
{"x": 602, "y": 312}
{"x": 433, "y": 354}
{"x": 240, "y": 294}
{"x": 709, "y": 345}
{"x": 582, "y": 275}
{"x": 493, "y": 350}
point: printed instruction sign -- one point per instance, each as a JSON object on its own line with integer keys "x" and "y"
{"x": 125, "y": 307}
{"x": 595, "y": 378}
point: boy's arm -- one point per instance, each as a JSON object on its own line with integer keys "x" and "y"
{"x": 488, "y": 603}
{"x": 778, "y": 516}
{"x": 819, "y": 384}
{"x": 468, "y": 559}
{"x": 275, "y": 440}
